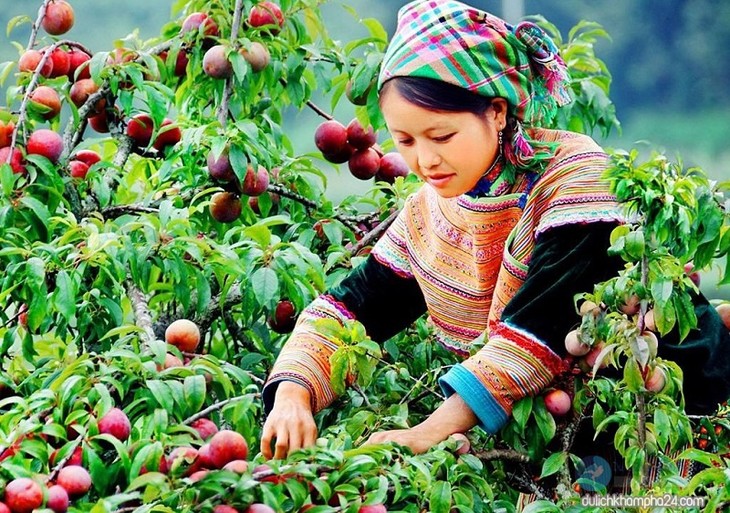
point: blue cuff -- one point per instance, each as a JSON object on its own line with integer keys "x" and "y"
{"x": 459, "y": 380}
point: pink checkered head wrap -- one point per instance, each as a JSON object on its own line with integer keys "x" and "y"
{"x": 455, "y": 43}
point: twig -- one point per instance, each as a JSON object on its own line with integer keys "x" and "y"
{"x": 214, "y": 407}
{"x": 228, "y": 89}
{"x": 312, "y": 105}
{"x": 287, "y": 193}
{"x": 360, "y": 391}
{"x": 73, "y": 132}
{"x": 57, "y": 468}
{"x": 35, "y": 78}
{"x": 116, "y": 211}
{"x": 22, "y": 113}
{"x": 375, "y": 234}
{"x": 37, "y": 24}
{"x": 319, "y": 111}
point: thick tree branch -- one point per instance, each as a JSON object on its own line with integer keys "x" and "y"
{"x": 141, "y": 312}
{"x": 116, "y": 211}
{"x": 503, "y": 455}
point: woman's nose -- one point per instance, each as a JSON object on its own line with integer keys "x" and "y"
{"x": 427, "y": 158}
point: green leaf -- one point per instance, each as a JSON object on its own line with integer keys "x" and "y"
{"x": 521, "y": 411}
{"x": 553, "y": 464}
{"x": 376, "y": 29}
{"x": 194, "y": 392}
{"x": 265, "y": 286}
{"x": 686, "y": 316}
{"x": 545, "y": 421}
{"x": 440, "y": 497}
{"x": 661, "y": 290}
{"x": 542, "y": 506}
{"x": 64, "y": 297}
{"x": 632, "y": 376}
{"x": 162, "y": 393}
{"x": 635, "y": 244}
{"x": 663, "y": 427}
{"x": 340, "y": 367}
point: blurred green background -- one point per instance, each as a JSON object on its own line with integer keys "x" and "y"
{"x": 670, "y": 61}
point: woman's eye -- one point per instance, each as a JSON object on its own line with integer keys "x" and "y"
{"x": 405, "y": 142}
{"x": 443, "y": 138}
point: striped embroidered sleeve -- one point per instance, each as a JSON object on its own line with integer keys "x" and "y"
{"x": 526, "y": 349}
{"x": 383, "y": 301}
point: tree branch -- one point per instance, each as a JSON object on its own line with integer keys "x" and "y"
{"x": 141, "y": 312}
{"x": 116, "y": 211}
{"x": 214, "y": 407}
{"x": 228, "y": 89}
{"x": 57, "y": 468}
{"x": 375, "y": 234}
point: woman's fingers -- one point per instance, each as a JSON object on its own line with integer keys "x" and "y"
{"x": 287, "y": 433}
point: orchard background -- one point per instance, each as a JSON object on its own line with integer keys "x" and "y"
{"x": 159, "y": 231}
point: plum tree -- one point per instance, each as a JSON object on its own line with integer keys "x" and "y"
{"x": 31, "y": 59}
{"x": 331, "y": 137}
{"x": 255, "y": 181}
{"x": 140, "y": 129}
{"x": 358, "y": 137}
{"x": 257, "y": 55}
{"x": 205, "y": 428}
{"x": 96, "y": 271}
{"x": 392, "y": 165}
{"x": 284, "y": 317}
{"x": 574, "y": 346}
{"x": 364, "y": 164}
{"x": 220, "y": 167}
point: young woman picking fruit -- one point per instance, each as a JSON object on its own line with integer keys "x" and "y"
{"x": 512, "y": 222}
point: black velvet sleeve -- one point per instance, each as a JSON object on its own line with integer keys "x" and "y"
{"x": 566, "y": 260}
{"x": 382, "y": 301}
{"x": 571, "y": 259}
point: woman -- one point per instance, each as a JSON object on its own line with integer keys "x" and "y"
{"x": 512, "y": 221}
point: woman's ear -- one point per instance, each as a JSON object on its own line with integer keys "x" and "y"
{"x": 499, "y": 112}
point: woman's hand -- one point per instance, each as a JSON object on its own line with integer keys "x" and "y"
{"x": 415, "y": 438}
{"x": 290, "y": 422}
{"x": 453, "y": 416}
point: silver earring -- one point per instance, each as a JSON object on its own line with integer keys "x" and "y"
{"x": 500, "y": 142}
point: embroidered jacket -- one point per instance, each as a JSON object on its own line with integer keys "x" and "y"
{"x": 505, "y": 263}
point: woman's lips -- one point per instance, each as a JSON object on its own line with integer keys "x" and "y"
{"x": 440, "y": 180}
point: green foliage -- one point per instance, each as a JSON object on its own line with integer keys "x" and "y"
{"x": 94, "y": 270}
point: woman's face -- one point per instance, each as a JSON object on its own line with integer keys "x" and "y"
{"x": 450, "y": 151}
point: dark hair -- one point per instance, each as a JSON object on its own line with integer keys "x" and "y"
{"x": 437, "y": 95}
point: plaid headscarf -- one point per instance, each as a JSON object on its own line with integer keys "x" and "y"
{"x": 452, "y": 42}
